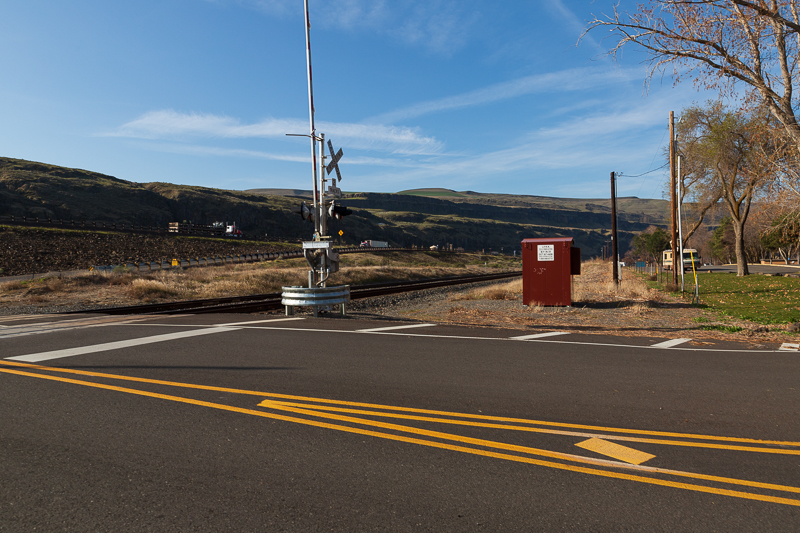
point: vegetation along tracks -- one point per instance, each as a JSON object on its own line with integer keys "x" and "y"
{"x": 272, "y": 301}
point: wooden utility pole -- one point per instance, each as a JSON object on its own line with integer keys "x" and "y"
{"x": 673, "y": 199}
{"x": 614, "y": 245}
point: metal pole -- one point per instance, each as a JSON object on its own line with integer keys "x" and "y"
{"x": 673, "y": 199}
{"x": 614, "y": 241}
{"x": 311, "y": 119}
{"x": 680, "y": 226}
{"x": 323, "y": 214}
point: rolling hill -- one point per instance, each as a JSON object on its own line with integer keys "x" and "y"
{"x": 474, "y": 221}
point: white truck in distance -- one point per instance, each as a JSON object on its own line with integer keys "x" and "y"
{"x": 691, "y": 259}
{"x": 374, "y": 244}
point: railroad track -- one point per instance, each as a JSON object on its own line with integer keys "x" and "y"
{"x": 272, "y": 301}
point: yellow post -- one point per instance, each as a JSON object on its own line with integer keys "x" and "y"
{"x": 696, "y": 287}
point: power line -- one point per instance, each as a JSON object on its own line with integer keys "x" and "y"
{"x": 622, "y": 174}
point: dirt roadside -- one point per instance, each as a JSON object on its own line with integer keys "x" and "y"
{"x": 631, "y": 311}
{"x": 598, "y": 307}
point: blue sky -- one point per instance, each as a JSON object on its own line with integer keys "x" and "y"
{"x": 467, "y": 95}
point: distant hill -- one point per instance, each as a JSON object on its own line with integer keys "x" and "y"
{"x": 282, "y": 192}
{"x": 48, "y": 191}
{"x": 422, "y": 217}
{"x": 646, "y": 210}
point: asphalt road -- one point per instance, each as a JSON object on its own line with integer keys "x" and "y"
{"x": 248, "y": 423}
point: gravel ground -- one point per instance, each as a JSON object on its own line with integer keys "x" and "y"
{"x": 640, "y": 314}
{"x": 669, "y": 318}
{"x": 405, "y": 306}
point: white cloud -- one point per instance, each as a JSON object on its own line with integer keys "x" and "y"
{"x": 199, "y": 150}
{"x": 626, "y": 137}
{"x": 559, "y": 9}
{"x": 170, "y": 124}
{"x": 560, "y": 81}
{"x": 441, "y": 26}
{"x": 302, "y": 156}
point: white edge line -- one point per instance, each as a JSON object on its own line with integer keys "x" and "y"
{"x": 80, "y": 350}
{"x": 389, "y": 328}
{"x": 68, "y": 327}
{"x": 670, "y": 343}
{"x": 288, "y": 319}
{"x": 539, "y": 335}
{"x": 576, "y": 343}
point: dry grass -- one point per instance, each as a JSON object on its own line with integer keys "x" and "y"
{"x": 592, "y": 286}
{"x": 595, "y": 285}
{"x": 11, "y": 286}
{"x": 509, "y": 290}
{"x": 150, "y": 289}
{"x": 125, "y": 287}
{"x": 55, "y": 284}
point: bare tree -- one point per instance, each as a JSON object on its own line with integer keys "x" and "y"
{"x": 719, "y": 44}
{"x": 779, "y": 211}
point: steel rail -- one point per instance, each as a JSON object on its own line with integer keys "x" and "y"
{"x": 272, "y": 301}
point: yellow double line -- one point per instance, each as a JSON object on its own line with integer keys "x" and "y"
{"x": 334, "y": 414}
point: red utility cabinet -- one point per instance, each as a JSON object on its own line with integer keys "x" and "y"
{"x": 547, "y": 269}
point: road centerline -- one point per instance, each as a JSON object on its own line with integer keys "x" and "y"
{"x": 467, "y": 445}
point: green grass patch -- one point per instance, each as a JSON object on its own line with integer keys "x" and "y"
{"x": 760, "y": 299}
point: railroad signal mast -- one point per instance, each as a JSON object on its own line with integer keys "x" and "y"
{"x": 320, "y": 256}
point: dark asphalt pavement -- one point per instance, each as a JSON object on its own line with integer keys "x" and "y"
{"x": 202, "y": 423}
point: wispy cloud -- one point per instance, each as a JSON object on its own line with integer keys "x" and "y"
{"x": 564, "y": 80}
{"x": 584, "y": 147}
{"x": 441, "y": 26}
{"x": 626, "y": 136}
{"x": 560, "y": 10}
{"x": 172, "y": 125}
{"x": 202, "y": 150}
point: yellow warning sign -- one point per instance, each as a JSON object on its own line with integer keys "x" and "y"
{"x": 341, "y": 233}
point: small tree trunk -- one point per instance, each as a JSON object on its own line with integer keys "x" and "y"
{"x": 741, "y": 257}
